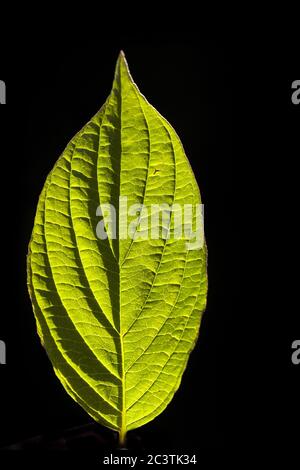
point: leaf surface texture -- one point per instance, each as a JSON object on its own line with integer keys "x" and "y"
{"x": 119, "y": 316}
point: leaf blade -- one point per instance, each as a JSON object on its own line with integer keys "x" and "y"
{"x": 118, "y": 317}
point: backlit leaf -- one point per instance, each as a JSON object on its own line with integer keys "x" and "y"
{"x": 118, "y": 316}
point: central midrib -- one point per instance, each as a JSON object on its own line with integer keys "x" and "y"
{"x": 123, "y": 429}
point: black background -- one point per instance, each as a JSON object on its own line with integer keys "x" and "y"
{"x": 232, "y": 110}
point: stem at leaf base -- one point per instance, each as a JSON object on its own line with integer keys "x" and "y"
{"x": 122, "y": 438}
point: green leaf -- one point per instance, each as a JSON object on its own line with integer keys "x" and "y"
{"x": 118, "y": 316}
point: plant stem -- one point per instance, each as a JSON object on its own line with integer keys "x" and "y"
{"x": 122, "y": 438}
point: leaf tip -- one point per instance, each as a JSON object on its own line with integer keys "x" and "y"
{"x": 122, "y": 66}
